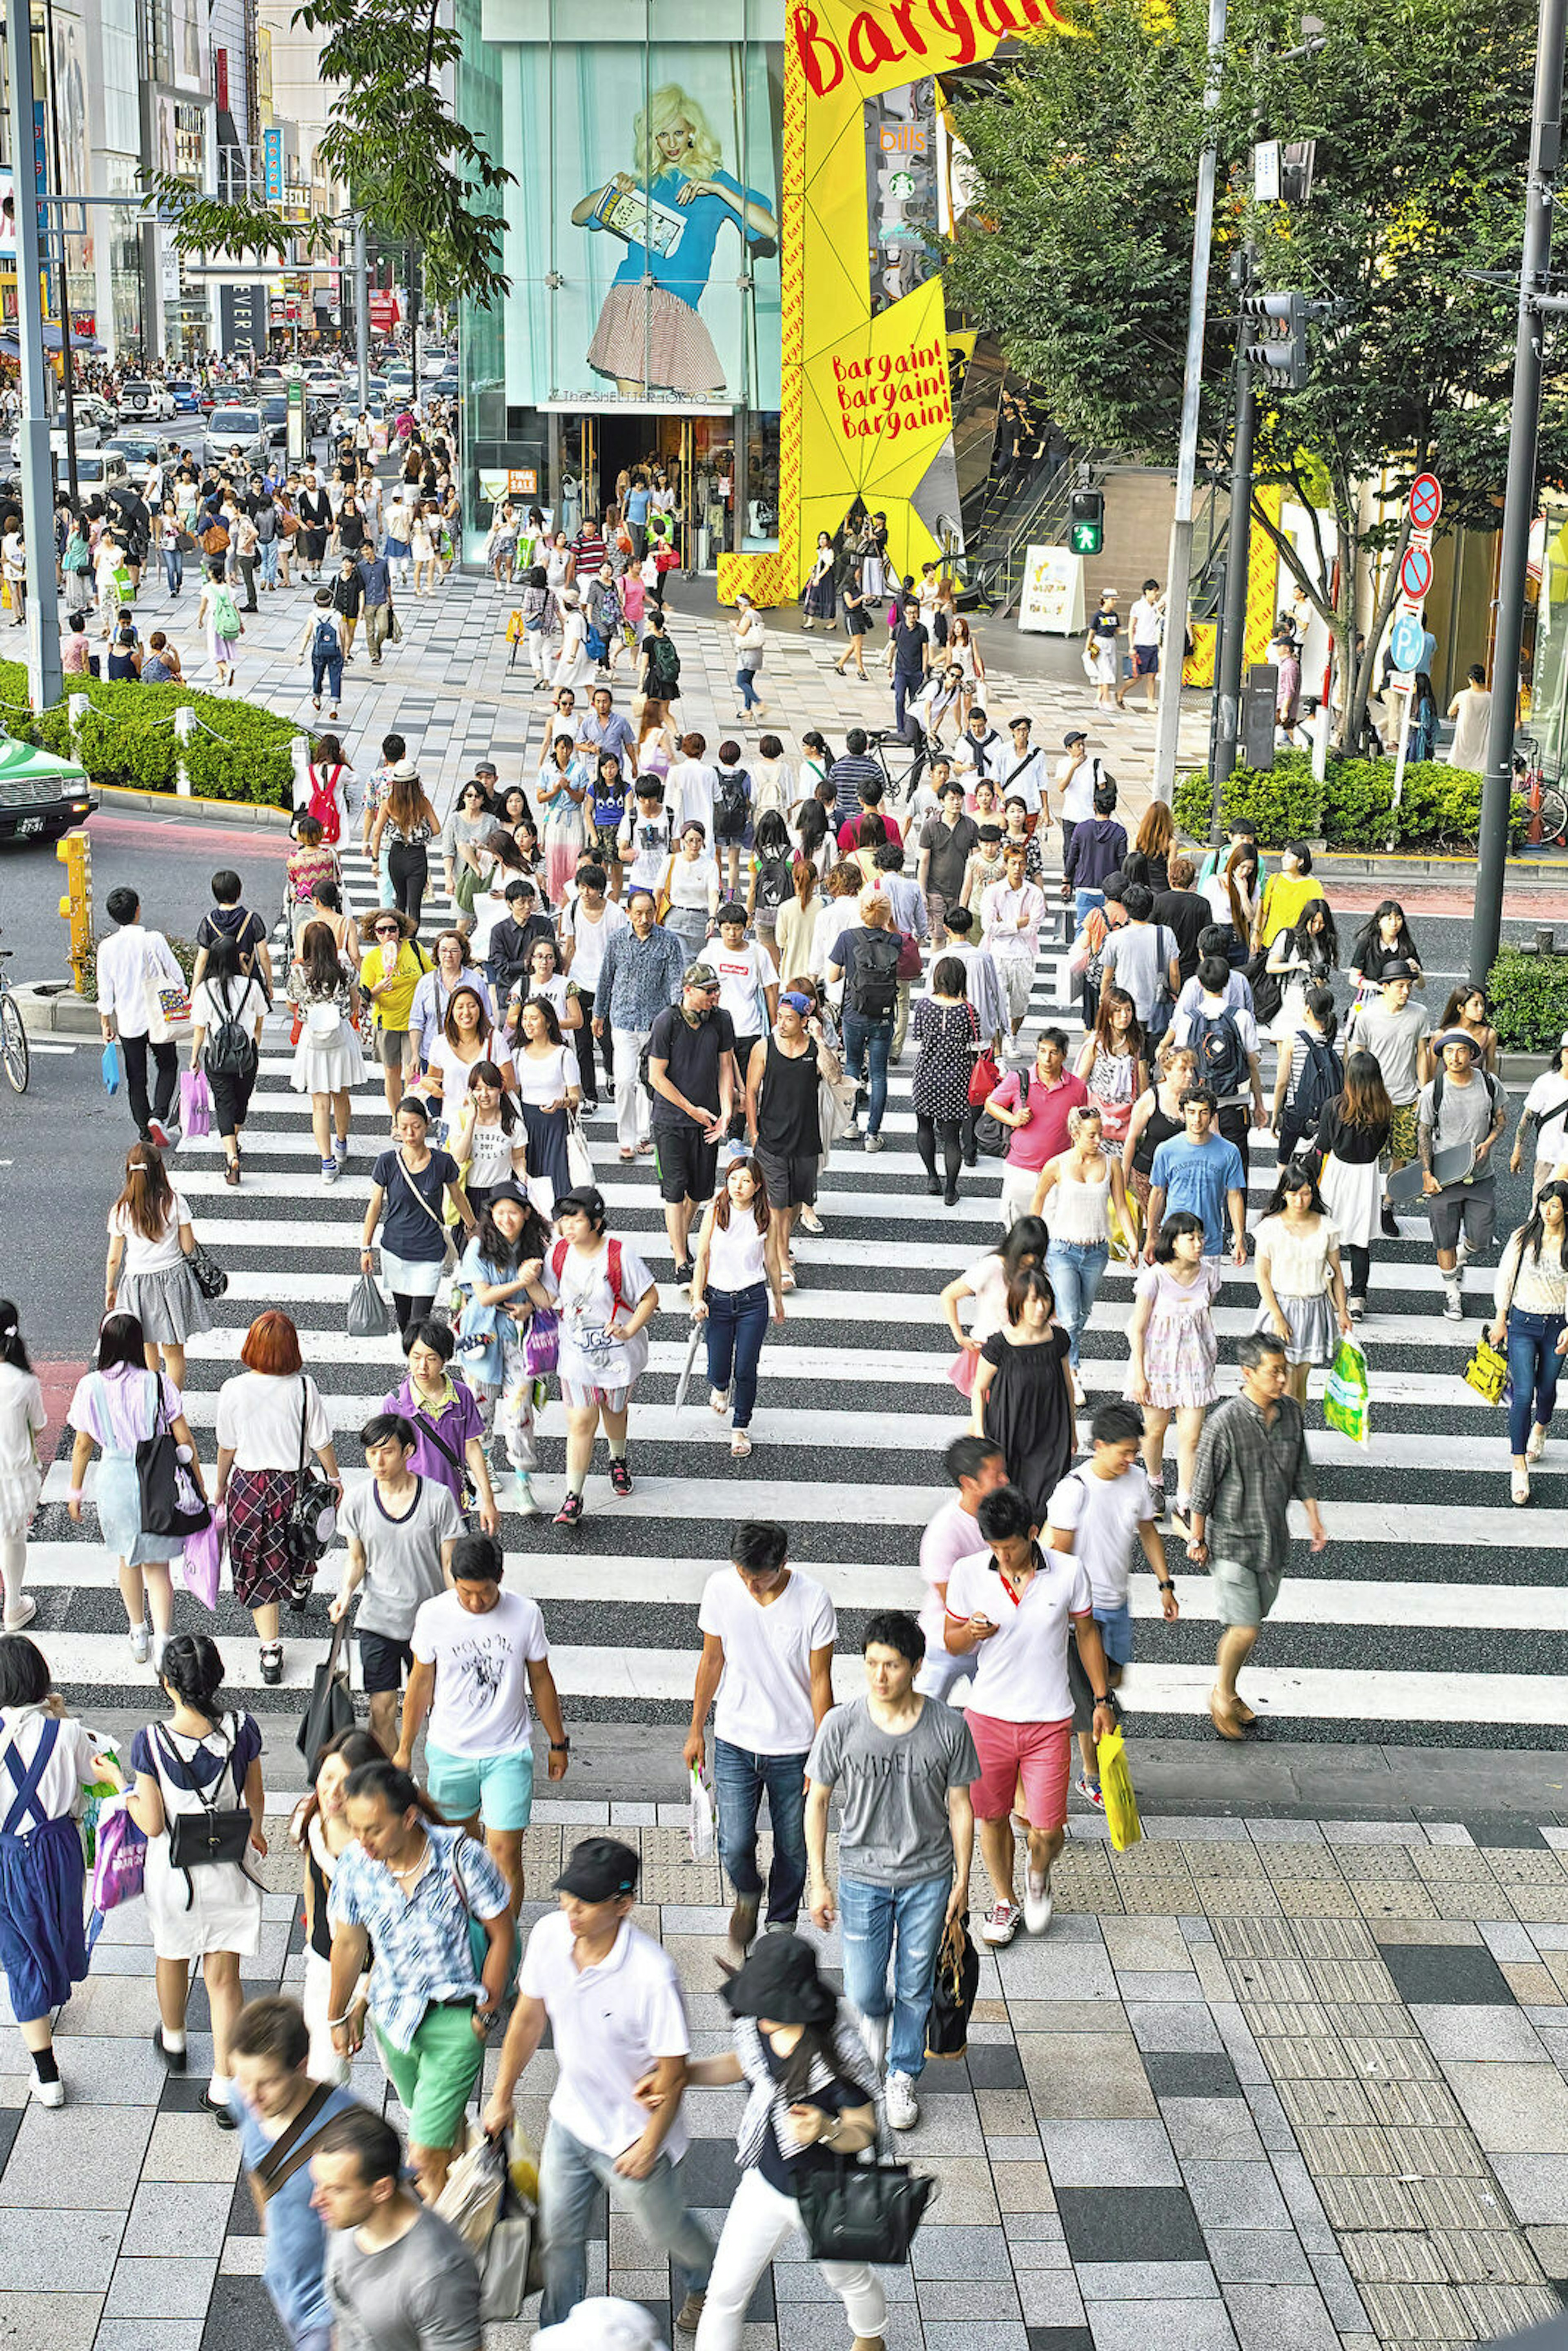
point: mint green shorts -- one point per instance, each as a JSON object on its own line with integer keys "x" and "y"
{"x": 498, "y": 1788}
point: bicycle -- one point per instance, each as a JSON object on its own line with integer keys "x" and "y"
{"x": 901, "y": 777}
{"x": 16, "y": 1057}
{"x": 1548, "y": 807}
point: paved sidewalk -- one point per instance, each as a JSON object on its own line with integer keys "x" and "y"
{"x": 1266, "y": 2083}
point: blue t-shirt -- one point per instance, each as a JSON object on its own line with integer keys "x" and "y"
{"x": 1196, "y": 1177}
{"x": 637, "y": 507}
{"x": 683, "y": 270}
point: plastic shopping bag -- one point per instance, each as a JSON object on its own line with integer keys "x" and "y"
{"x": 482, "y": 2202}
{"x": 95, "y": 1795}
{"x": 1116, "y": 1787}
{"x": 195, "y": 1105}
{"x": 197, "y": 1567}
{"x": 110, "y": 1065}
{"x": 119, "y": 1858}
{"x": 703, "y": 1829}
{"x": 1347, "y": 1399}
{"x": 370, "y": 1316}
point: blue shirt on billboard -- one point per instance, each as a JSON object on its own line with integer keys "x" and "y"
{"x": 683, "y": 270}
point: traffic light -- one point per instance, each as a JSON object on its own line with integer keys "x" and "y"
{"x": 1284, "y": 355}
{"x": 75, "y": 853}
{"x": 1086, "y": 532}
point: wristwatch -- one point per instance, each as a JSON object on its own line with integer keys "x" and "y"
{"x": 1166, "y": 1585}
{"x": 559, "y": 1746}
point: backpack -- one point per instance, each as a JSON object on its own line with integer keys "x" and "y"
{"x": 226, "y": 619}
{"x": 733, "y": 811}
{"x": 617, "y": 1297}
{"x": 1439, "y": 1078}
{"x": 323, "y": 802}
{"x": 873, "y": 989}
{"x": 1222, "y": 1063}
{"x": 229, "y": 1050}
{"x": 1323, "y": 1075}
{"x": 664, "y": 667}
{"x": 775, "y": 881}
{"x": 992, "y": 1137}
{"x": 325, "y": 643}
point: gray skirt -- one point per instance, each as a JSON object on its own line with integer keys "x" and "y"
{"x": 168, "y": 1304}
{"x": 1314, "y": 1331}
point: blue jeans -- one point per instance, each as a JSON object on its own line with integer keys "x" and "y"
{"x": 736, "y": 1326}
{"x": 570, "y": 2176}
{"x": 904, "y": 1923}
{"x": 1084, "y": 904}
{"x": 174, "y": 569}
{"x": 868, "y": 1041}
{"x": 268, "y": 552}
{"x": 1533, "y": 1364}
{"x": 1075, "y": 1267}
{"x": 738, "y": 1782}
{"x": 327, "y": 666}
{"x": 745, "y": 679}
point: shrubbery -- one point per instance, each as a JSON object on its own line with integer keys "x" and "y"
{"x": 129, "y": 739}
{"x": 1530, "y": 1000}
{"x": 1352, "y": 809}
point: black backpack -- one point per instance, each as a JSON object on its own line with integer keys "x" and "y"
{"x": 775, "y": 881}
{"x": 1321, "y": 1076}
{"x": 663, "y": 667}
{"x": 229, "y": 1050}
{"x": 873, "y": 990}
{"x": 733, "y": 811}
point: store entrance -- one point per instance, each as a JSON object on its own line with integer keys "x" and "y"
{"x": 695, "y": 454}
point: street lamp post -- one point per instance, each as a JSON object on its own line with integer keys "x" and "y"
{"x": 45, "y": 678}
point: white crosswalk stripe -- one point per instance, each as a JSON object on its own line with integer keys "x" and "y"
{"x": 1435, "y": 1611}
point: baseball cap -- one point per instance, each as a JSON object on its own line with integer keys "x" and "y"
{"x": 699, "y": 974}
{"x": 1075, "y": 735}
{"x": 799, "y": 1003}
{"x": 601, "y": 1868}
{"x": 586, "y": 1200}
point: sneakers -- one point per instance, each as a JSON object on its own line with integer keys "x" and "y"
{"x": 164, "y": 1133}
{"x": 874, "y": 1143}
{"x": 689, "y": 2316}
{"x": 45, "y": 2094}
{"x": 903, "y": 2106}
{"x": 331, "y": 1169}
{"x": 340, "y": 1151}
{"x": 1463, "y": 1254}
{"x": 1357, "y": 1307}
{"x": 1091, "y": 1791}
{"x": 525, "y": 1502}
{"x": 26, "y": 1608}
{"x": 1388, "y": 1224}
{"x": 272, "y": 1663}
{"x": 1453, "y": 1303}
{"x": 1038, "y": 1905}
{"x": 621, "y": 1478}
{"x": 140, "y": 1644}
{"x": 999, "y": 1925}
{"x": 873, "y": 2031}
{"x": 570, "y": 1511}
{"x": 743, "y": 1920}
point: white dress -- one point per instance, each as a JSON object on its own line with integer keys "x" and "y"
{"x": 22, "y": 1414}
{"x": 326, "y": 1059}
{"x": 224, "y": 1909}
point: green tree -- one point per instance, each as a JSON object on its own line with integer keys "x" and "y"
{"x": 1076, "y": 244}
{"x": 420, "y": 176}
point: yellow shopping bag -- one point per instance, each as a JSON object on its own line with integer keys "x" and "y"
{"x": 1125, "y": 1231}
{"x": 1116, "y": 1787}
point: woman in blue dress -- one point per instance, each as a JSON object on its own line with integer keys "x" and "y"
{"x": 650, "y": 337}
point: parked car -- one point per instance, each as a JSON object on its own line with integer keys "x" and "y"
{"x": 140, "y": 450}
{"x": 97, "y": 471}
{"x": 143, "y": 396}
{"x": 242, "y": 427}
{"x": 87, "y": 437}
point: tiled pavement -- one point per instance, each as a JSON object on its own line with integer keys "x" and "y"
{"x": 1266, "y": 2083}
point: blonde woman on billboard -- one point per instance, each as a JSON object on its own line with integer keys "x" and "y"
{"x": 650, "y": 337}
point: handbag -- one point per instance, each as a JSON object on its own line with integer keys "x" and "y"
{"x": 1486, "y": 1371}
{"x": 201, "y": 1840}
{"x": 165, "y": 1499}
{"x": 953, "y": 1991}
{"x": 119, "y": 1858}
{"x": 312, "y": 1516}
{"x": 329, "y": 1709}
{"x": 984, "y": 1079}
{"x": 369, "y": 1316}
{"x": 211, "y": 1278}
{"x": 855, "y": 2212}
{"x": 992, "y": 1137}
{"x": 578, "y": 1161}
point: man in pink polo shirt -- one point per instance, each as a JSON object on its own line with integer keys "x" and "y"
{"x": 1036, "y": 1109}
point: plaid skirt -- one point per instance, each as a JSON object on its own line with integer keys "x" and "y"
{"x": 258, "y": 1505}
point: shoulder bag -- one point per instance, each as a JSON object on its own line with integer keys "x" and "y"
{"x": 862, "y": 2212}
{"x": 329, "y": 1709}
{"x": 286, "y": 2155}
{"x": 449, "y": 1255}
{"x": 469, "y": 1497}
{"x": 215, "y": 1833}
{"x": 169, "y": 1503}
{"x": 992, "y": 1135}
{"x": 211, "y": 1278}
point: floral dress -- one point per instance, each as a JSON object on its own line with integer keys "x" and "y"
{"x": 1180, "y": 1350}
{"x": 947, "y": 1035}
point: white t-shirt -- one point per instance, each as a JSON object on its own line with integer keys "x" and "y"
{"x": 743, "y": 972}
{"x": 22, "y": 1411}
{"x": 1548, "y": 1097}
{"x": 764, "y": 1701}
{"x": 212, "y": 1003}
{"x": 1146, "y": 623}
{"x": 609, "y": 2025}
{"x": 689, "y": 793}
{"x": 1021, "y": 1672}
{"x": 1077, "y": 797}
{"x": 481, "y": 1702}
{"x": 591, "y": 938}
{"x": 649, "y": 839}
{"x": 258, "y": 1419}
{"x": 1107, "y": 1513}
{"x": 142, "y": 1256}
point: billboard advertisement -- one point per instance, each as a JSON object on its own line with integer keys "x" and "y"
{"x": 644, "y": 267}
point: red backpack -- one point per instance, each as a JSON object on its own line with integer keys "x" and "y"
{"x": 323, "y": 803}
{"x": 618, "y": 1298}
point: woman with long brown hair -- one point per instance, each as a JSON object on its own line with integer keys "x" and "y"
{"x": 149, "y": 1272}
{"x": 1352, "y": 1134}
{"x": 324, "y": 990}
{"x": 795, "y": 922}
{"x": 1148, "y": 860}
{"x": 469, "y": 1037}
{"x": 1112, "y": 1063}
{"x": 409, "y": 824}
{"x": 1156, "y": 1114}
{"x": 1233, "y": 893}
{"x": 737, "y": 1266}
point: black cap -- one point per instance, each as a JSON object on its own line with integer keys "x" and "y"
{"x": 780, "y": 1980}
{"x": 585, "y": 1199}
{"x": 601, "y": 1869}
{"x": 1075, "y": 735}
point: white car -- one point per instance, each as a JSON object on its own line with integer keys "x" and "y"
{"x": 141, "y": 398}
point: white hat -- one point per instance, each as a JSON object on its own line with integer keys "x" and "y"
{"x": 602, "y": 2324}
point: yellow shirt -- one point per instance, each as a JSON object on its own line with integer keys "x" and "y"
{"x": 395, "y": 1004}
{"x": 1284, "y": 895}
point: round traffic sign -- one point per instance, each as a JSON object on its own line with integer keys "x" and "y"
{"x": 1408, "y": 643}
{"x": 1426, "y": 500}
{"x": 1415, "y": 574}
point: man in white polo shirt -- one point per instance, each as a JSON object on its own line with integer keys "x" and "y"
{"x": 1011, "y": 1608}
{"x": 768, "y": 1654}
{"x": 610, "y": 1997}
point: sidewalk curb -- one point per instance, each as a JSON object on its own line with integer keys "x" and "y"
{"x": 50, "y": 1008}
{"x": 124, "y": 797}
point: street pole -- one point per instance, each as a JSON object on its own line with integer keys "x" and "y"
{"x": 362, "y": 311}
{"x": 1519, "y": 503}
{"x": 1178, "y": 571}
{"x": 68, "y": 365}
{"x": 45, "y": 678}
{"x": 1230, "y": 652}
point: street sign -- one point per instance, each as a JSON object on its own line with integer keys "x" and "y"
{"x": 1415, "y": 574}
{"x": 1408, "y": 643}
{"x": 1426, "y": 500}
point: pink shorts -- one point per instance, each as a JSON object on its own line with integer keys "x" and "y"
{"x": 1038, "y": 1753}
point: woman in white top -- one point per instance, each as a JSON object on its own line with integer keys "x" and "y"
{"x": 488, "y": 1141}
{"x": 466, "y": 1038}
{"x": 328, "y": 1063}
{"x": 1298, "y": 1278}
{"x": 21, "y": 1416}
{"x": 1233, "y": 892}
{"x": 422, "y": 545}
{"x": 544, "y": 977}
{"x": 227, "y": 993}
{"x": 573, "y": 663}
{"x": 549, "y": 1091}
{"x": 986, "y": 1281}
{"x": 606, "y": 1298}
{"x": 689, "y": 893}
{"x": 751, "y": 634}
{"x": 736, "y": 1266}
{"x": 453, "y": 968}
{"x": 1532, "y": 1300}
{"x": 148, "y": 1273}
{"x": 1087, "y": 1183}
{"x": 117, "y": 1405}
{"x": 772, "y": 781}
{"x": 203, "y": 1756}
{"x": 564, "y": 783}
{"x": 270, "y": 1419}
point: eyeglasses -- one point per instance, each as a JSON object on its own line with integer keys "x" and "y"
{"x": 386, "y": 931}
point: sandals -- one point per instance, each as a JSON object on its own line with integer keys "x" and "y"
{"x": 740, "y": 1444}
{"x": 1521, "y": 1486}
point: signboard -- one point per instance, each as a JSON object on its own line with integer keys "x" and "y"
{"x": 383, "y": 309}
{"x": 272, "y": 164}
{"x": 1415, "y": 574}
{"x": 1051, "y": 599}
{"x": 1407, "y": 642}
{"x": 1426, "y": 500}
{"x": 298, "y": 445}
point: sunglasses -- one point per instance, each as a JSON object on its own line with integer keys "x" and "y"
{"x": 387, "y": 930}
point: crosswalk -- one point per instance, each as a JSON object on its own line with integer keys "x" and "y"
{"x": 1436, "y": 1615}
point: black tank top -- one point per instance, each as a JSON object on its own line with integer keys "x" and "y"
{"x": 1157, "y": 1129}
{"x": 787, "y": 1124}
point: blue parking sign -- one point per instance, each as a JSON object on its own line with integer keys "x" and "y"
{"x": 1408, "y": 643}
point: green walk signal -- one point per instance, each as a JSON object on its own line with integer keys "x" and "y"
{"x": 1088, "y": 537}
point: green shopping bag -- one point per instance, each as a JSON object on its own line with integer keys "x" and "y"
{"x": 1347, "y": 1399}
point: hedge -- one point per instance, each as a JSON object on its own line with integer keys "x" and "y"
{"x": 129, "y": 739}
{"x": 1529, "y": 1001}
{"x": 185, "y": 952}
{"x": 1352, "y": 808}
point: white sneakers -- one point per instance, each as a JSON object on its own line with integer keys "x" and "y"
{"x": 873, "y": 2033}
{"x": 140, "y": 1644}
{"x": 999, "y": 1925}
{"x": 903, "y": 2106}
{"x": 46, "y": 2094}
{"x": 1038, "y": 1905}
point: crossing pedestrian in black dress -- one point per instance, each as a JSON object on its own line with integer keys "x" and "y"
{"x": 947, "y": 1035}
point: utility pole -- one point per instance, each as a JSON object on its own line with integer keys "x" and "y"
{"x": 362, "y": 311}
{"x": 44, "y": 679}
{"x": 57, "y": 173}
{"x": 1178, "y": 571}
{"x": 1535, "y": 304}
{"x": 1232, "y": 646}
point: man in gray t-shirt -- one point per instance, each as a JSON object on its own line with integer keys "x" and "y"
{"x": 903, "y": 1765}
{"x": 1462, "y": 1113}
{"x": 400, "y": 1530}
{"x": 398, "y": 2279}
